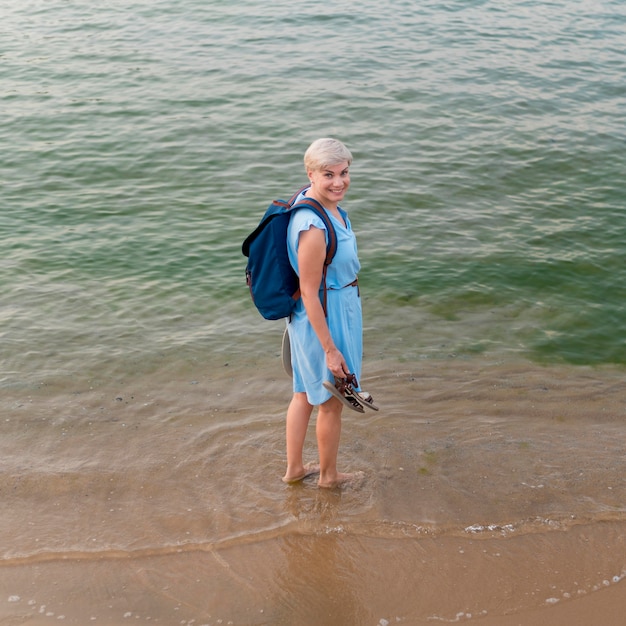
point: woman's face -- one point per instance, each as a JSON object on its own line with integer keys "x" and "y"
{"x": 330, "y": 184}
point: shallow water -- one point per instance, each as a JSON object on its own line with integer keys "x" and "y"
{"x": 142, "y": 398}
{"x": 166, "y": 499}
{"x": 507, "y": 445}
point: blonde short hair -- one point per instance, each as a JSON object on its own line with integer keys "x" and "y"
{"x": 324, "y": 152}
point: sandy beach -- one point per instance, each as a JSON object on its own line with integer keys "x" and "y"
{"x": 300, "y": 579}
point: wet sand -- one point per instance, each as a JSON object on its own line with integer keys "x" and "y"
{"x": 327, "y": 580}
{"x": 493, "y": 495}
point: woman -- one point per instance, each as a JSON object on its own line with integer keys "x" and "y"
{"x": 324, "y": 346}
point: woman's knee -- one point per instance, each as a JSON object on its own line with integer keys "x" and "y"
{"x": 332, "y": 407}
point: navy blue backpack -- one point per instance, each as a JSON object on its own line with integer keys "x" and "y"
{"x": 274, "y": 285}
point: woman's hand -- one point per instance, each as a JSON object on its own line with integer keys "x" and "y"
{"x": 336, "y": 363}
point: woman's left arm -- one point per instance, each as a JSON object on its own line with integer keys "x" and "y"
{"x": 311, "y": 257}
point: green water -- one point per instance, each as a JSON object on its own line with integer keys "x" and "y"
{"x": 143, "y": 140}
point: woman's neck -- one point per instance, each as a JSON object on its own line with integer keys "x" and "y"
{"x": 332, "y": 207}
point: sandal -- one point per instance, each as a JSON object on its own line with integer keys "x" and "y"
{"x": 338, "y": 390}
{"x": 362, "y": 397}
{"x": 365, "y": 398}
{"x": 286, "y": 354}
{"x": 344, "y": 391}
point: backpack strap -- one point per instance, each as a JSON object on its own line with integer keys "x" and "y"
{"x": 331, "y": 248}
{"x": 293, "y": 198}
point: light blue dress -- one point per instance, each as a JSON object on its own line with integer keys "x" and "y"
{"x": 344, "y": 316}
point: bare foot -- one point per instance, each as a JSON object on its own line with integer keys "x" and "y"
{"x": 354, "y": 478}
{"x": 308, "y": 470}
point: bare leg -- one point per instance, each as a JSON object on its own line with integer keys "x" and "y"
{"x": 328, "y": 436}
{"x": 298, "y": 416}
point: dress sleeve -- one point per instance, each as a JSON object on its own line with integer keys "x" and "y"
{"x": 302, "y": 220}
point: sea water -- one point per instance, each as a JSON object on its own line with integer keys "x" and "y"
{"x": 141, "y": 143}
{"x": 143, "y": 140}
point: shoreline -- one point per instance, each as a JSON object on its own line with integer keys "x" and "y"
{"x": 441, "y": 580}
